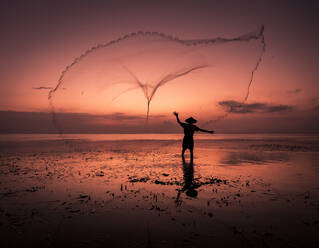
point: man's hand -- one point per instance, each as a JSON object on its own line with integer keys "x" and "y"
{"x": 175, "y": 113}
{"x": 211, "y": 132}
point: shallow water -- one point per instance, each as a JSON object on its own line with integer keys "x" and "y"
{"x": 242, "y": 190}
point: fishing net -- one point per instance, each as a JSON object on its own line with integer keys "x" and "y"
{"x": 145, "y": 76}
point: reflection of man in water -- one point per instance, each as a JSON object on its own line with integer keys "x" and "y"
{"x": 189, "y": 185}
{"x": 189, "y": 129}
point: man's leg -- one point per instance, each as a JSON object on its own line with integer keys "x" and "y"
{"x": 183, "y": 157}
{"x": 192, "y": 155}
{"x": 191, "y": 149}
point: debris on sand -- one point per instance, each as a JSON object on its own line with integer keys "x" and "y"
{"x": 83, "y": 196}
{"x": 285, "y": 147}
{"x": 139, "y": 180}
{"x": 99, "y": 174}
{"x": 160, "y": 182}
{"x": 214, "y": 180}
{"x": 35, "y": 188}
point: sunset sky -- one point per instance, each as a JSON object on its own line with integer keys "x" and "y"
{"x": 40, "y": 38}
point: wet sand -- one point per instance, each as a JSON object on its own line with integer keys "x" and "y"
{"x": 239, "y": 193}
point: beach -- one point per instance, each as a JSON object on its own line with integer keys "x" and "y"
{"x": 258, "y": 190}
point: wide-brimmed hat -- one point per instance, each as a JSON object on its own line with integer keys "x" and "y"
{"x": 190, "y": 120}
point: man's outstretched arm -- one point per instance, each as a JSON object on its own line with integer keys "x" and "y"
{"x": 205, "y": 131}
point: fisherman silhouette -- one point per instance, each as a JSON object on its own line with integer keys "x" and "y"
{"x": 188, "y": 141}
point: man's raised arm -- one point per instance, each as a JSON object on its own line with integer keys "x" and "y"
{"x": 177, "y": 118}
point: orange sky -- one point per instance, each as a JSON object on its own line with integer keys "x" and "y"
{"x": 41, "y": 40}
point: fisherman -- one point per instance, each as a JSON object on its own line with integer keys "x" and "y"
{"x": 189, "y": 129}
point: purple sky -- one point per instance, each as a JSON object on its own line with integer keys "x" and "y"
{"x": 40, "y": 38}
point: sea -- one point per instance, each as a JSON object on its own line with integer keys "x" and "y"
{"x": 312, "y": 138}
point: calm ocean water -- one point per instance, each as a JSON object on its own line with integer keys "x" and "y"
{"x": 106, "y": 137}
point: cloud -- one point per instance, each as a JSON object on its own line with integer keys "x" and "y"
{"x": 45, "y": 88}
{"x": 123, "y": 117}
{"x": 314, "y": 100}
{"x": 41, "y": 122}
{"x": 117, "y": 116}
{"x": 244, "y": 108}
{"x": 316, "y": 108}
{"x": 42, "y": 88}
{"x": 295, "y": 91}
